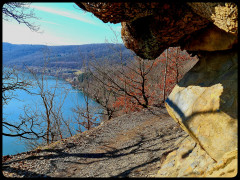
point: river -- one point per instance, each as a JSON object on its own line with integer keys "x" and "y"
{"x": 12, "y": 111}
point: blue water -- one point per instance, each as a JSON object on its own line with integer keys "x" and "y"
{"x": 11, "y": 111}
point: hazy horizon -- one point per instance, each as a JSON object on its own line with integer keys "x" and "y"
{"x": 63, "y": 45}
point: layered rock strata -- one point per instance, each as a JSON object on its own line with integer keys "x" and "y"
{"x": 204, "y": 102}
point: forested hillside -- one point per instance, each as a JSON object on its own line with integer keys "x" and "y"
{"x": 70, "y": 56}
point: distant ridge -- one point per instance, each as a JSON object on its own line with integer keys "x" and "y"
{"x": 68, "y": 56}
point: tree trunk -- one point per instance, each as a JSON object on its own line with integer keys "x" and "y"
{"x": 165, "y": 76}
{"x": 177, "y": 73}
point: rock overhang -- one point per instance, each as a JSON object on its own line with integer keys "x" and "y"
{"x": 149, "y": 28}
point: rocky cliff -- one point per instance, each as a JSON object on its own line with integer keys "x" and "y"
{"x": 204, "y": 102}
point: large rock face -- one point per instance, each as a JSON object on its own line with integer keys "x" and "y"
{"x": 204, "y": 102}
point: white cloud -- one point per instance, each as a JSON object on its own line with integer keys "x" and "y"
{"x": 64, "y": 13}
{"x": 21, "y": 34}
{"x": 50, "y": 22}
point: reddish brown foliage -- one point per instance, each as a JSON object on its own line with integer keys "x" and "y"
{"x": 144, "y": 85}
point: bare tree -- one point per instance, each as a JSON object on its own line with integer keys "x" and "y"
{"x": 52, "y": 114}
{"x": 127, "y": 80}
{"x": 129, "y": 83}
{"x": 124, "y": 80}
{"x": 86, "y": 116}
{"x": 27, "y": 128}
{"x": 104, "y": 98}
{"x": 177, "y": 65}
{"x": 49, "y": 107}
{"x": 95, "y": 89}
{"x": 165, "y": 76}
{"x": 12, "y": 80}
{"x": 21, "y": 12}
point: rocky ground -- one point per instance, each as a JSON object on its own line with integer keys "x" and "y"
{"x": 132, "y": 145}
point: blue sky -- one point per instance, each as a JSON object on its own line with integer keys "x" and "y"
{"x": 61, "y": 24}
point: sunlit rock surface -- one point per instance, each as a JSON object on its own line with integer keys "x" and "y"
{"x": 223, "y": 15}
{"x": 205, "y": 102}
{"x": 190, "y": 160}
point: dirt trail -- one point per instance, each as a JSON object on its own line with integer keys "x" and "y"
{"x": 132, "y": 145}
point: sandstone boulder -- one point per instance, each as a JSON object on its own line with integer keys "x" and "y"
{"x": 204, "y": 102}
{"x": 190, "y": 160}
